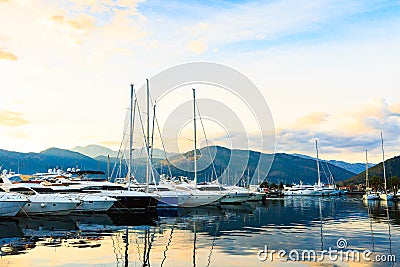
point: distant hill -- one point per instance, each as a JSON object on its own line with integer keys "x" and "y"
{"x": 352, "y": 167}
{"x": 29, "y": 163}
{"x": 392, "y": 169}
{"x": 285, "y": 168}
{"x": 97, "y": 151}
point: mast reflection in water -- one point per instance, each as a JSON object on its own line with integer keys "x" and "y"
{"x": 205, "y": 236}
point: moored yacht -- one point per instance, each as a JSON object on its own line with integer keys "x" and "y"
{"x": 11, "y": 203}
{"x": 386, "y": 196}
{"x": 369, "y": 194}
{"x": 303, "y": 190}
{"x": 46, "y": 204}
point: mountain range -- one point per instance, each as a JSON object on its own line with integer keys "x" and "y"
{"x": 353, "y": 167}
{"x": 95, "y": 151}
{"x": 285, "y": 168}
{"x": 392, "y": 167}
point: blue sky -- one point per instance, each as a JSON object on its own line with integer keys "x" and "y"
{"x": 327, "y": 69}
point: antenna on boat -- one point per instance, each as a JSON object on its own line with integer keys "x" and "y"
{"x": 383, "y": 163}
{"x": 195, "y": 140}
{"x": 130, "y": 139}
{"x": 319, "y": 175}
{"x": 366, "y": 170}
{"x": 148, "y": 136}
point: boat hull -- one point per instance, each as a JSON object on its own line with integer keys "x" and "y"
{"x": 171, "y": 200}
{"x": 10, "y": 208}
{"x": 387, "y": 197}
{"x": 94, "y": 203}
{"x": 235, "y": 197}
{"x": 131, "y": 200}
{"x": 49, "y": 208}
{"x": 195, "y": 200}
{"x": 257, "y": 196}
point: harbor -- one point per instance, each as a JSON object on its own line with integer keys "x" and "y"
{"x": 203, "y": 236}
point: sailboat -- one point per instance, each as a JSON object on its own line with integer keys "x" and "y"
{"x": 199, "y": 196}
{"x": 167, "y": 196}
{"x": 385, "y": 195}
{"x": 306, "y": 190}
{"x": 369, "y": 195}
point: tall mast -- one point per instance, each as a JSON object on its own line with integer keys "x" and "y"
{"x": 130, "y": 139}
{"x": 148, "y": 136}
{"x": 383, "y": 163}
{"x": 319, "y": 176}
{"x": 108, "y": 167}
{"x": 195, "y": 137}
{"x": 366, "y": 170}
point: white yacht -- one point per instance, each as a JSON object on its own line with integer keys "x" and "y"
{"x": 46, "y": 204}
{"x": 258, "y": 193}
{"x": 369, "y": 194}
{"x": 385, "y": 195}
{"x": 303, "y": 190}
{"x": 94, "y": 202}
{"x": 11, "y": 203}
{"x": 169, "y": 196}
{"x": 319, "y": 189}
{"x": 198, "y": 195}
{"x": 237, "y": 194}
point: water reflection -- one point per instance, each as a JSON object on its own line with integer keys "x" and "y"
{"x": 228, "y": 235}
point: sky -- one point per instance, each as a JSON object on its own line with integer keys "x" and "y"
{"x": 327, "y": 69}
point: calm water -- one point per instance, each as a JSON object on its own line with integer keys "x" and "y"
{"x": 211, "y": 236}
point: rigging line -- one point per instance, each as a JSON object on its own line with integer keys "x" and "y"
{"x": 323, "y": 170}
{"x": 147, "y": 145}
{"x": 370, "y": 226}
{"x": 151, "y": 240}
{"x": 120, "y": 147}
{"x": 205, "y": 136}
{"x": 331, "y": 179}
{"x": 145, "y": 248}
{"x": 194, "y": 245}
{"x": 390, "y": 235}
{"x": 167, "y": 246}
{"x": 162, "y": 141}
{"x": 163, "y": 145}
{"x": 213, "y": 242}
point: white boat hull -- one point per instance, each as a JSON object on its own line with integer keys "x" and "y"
{"x": 49, "y": 208}
{"x": 235, "y": 197}
{"x": 11, "y": 204}
{"x": 371, "y": 197}
{"x": 200, "y": 199}
{"x": 387, "y": 197}
{"x": 172, "y": 199}
{"x": 94, "y": 203}
{"x": 305, "y": 192}
{"x": 10, "y": 208}
{"x": 257, "y": 196}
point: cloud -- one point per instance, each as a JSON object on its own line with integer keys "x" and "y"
{"x": 110, "y": 143}
{"x": 82, "y": 23}
{"x": 95, "y": 23}
{"x": 74, "y": 29}
{"x": 198, "y": 46}
{"x": 314, "y": 118}
{"x": 104, "y": 6}
{"x": 7, "y": 55}
{"x": 354, "y": 130}
{"x": 18, "y": 135}
{"x": 11, "y": 118}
